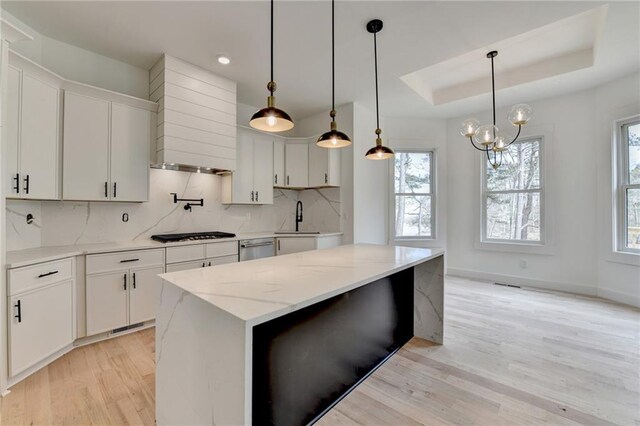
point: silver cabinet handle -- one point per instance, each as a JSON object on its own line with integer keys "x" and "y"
{"x": 251, "y": 195}
{"x": 326, "y": 178}
{"x": 276, "y": 182}
{"x": 256, "y": 196}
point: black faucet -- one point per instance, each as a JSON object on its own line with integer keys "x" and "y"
{"x": 298, "y": 214}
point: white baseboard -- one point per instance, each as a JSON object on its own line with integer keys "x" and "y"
{"x": 617, "y": 296}
{"x": 524, "y": 281}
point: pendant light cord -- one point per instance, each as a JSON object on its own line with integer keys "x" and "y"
{"x": 375, "y": 60}
{"x": 493, "y": 91}
{"x": 271, "y": 44}
{"x": 333, "y": 60}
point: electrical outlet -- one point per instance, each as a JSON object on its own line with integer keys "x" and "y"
{"x": 523, "y": 264}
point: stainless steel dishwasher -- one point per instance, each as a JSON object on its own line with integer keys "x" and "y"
{"x": 256, "y": 249}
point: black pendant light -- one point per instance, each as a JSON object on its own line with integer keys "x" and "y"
{"x": 378, "y": 152}
{"x": 488, "y": 138}
{"x": 271, "y": 119}
{"x": 333, "y": 138}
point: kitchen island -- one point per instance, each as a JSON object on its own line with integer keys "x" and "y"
{"x": 280, "y": 340}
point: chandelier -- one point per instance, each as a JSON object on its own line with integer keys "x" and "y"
{"x": 488, "y": 138}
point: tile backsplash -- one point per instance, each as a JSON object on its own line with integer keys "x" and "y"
{"x": 70, "y": 222}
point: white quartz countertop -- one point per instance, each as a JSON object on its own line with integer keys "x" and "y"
{"x": 18, "y": 258}
{"x": 260, "y": 290}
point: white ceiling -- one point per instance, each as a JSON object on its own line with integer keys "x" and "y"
{"x": 416, "y": 35}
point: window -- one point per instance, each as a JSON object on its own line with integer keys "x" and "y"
{"x": 629, "y": 186}
{"x": 414, "y": 196}
{"x": 513, "y": 195}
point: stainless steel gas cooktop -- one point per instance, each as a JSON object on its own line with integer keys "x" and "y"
{"x": 192, "y": 236}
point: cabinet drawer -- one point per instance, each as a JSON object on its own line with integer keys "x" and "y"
{"x": 222, "y": 249}
{"x": 185, "y": 253}
{"x": 222, "y": 260}
{"x": 183, "y": 266}
{"x": 35, "y": 276}
{"x": 123, "y": 260}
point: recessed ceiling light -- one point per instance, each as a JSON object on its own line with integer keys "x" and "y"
{"x": 224, "y": 60}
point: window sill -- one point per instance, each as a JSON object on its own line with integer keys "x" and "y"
{"x": 625, "y": 258}
{"x": 541, "y": 249}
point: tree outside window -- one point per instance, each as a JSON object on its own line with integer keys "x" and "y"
{"x": 513, "y": 195}
{"x": 413, "y": 195}
{"x": 629, "y": 186}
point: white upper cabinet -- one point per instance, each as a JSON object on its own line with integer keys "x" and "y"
{"x": 278, "y": 164}
{"x": 250, "y": 183}
{"x": 130, "y": 131}
{"x": 263, "y": 168}
{"x": 324, "y": 166}
{"x": 297, "y": 165}
{"x": 33, "y": 131}
{"x": 86, "y": 148}
{"x": 106, "y": 148}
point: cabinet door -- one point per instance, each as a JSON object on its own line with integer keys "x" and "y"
{"x": 318, "y": 165}
{"x": 39, "y": 139}
{"x": 297, "y": 165}
{"x": 45, "y": 325}
{"x": 143, "y": 294}
{"x": 11, "y": 133}
{"x": 294, "y": 245}
{"x": 278, "y": 163}
{"x": 130, "y": 142}
{"x": 324, "y": 166}
{"x": 107, "y": 302}
{"x": 263, "y": 169}
{"x": 86, "y": 148}
{"x": 242, "y": 188}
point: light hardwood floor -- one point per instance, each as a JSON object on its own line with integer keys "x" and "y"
{"x": 511, "y": 356}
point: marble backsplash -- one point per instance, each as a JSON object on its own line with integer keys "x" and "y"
{"x": 69, "y": 222}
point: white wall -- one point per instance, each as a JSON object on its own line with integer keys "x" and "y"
{"x": 618, "y": 275}
{"x": 81, "y": 65}
{"x": 578, "y": 176}
{"x": 429, "y": 134}
{"x": 370, "y": 181}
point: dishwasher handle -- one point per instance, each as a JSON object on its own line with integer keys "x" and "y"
{"x": 270, "y": 243}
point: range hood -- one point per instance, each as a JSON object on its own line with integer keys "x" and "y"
{"x": 196, "y": 121}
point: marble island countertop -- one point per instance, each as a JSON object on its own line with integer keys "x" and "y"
{"x": 263, "y": 289}
{"x": 18, "y": 258}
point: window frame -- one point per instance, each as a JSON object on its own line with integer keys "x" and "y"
{"x": 622, "y": 185}
{"x": 431, "y": 193}
{"x": 541, "y": 190}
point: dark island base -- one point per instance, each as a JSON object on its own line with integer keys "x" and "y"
{"x": 308, "y": 360}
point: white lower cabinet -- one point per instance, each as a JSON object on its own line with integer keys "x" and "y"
{"x": 41, "y": 314}
{"x": 286, "y": 245}
{"x": 143, "y": 294}
{"x": 294, "y": 245}
{"x": 106, "y": 302}
{"x": 122, "y": 288}
{"x": 182, "y": 258}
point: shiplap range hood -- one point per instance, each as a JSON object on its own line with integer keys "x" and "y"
{"x": 196, "y": 124}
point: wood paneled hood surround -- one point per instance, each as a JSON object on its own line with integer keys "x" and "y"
{"x": 196, "y": 128}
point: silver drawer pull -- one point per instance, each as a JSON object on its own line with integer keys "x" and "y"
{"x": 47, "y": 274}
